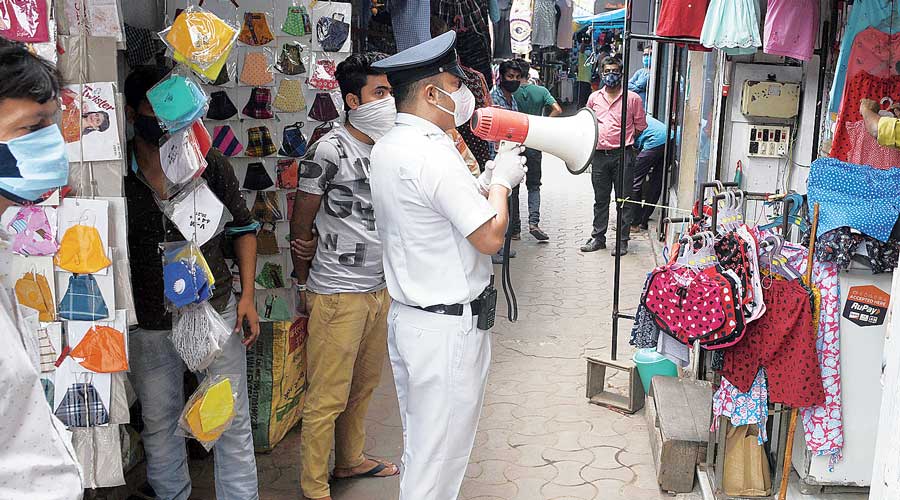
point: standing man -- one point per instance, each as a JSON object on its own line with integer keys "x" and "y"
{"x": 648, "y": 171}
{"x": 607, "y": 105}
{"x": 157, "y": 371}
{"x": 37, "y": 459}
{"x": 438, "y": 227}
{"x": 342, "y": 288}
{"x": 502, "y": 97}
{"x": 640, "y": 80}
{"x": 533, "y": 99}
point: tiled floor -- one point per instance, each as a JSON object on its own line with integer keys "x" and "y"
{"x": 538, "y": 437}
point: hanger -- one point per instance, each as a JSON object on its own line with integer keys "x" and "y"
{"x": 774, "y": 260}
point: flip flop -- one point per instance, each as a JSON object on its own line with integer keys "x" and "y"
{"x": 373, "y": 472}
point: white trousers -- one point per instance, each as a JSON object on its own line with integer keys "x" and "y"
{"x": 440, "y": 366}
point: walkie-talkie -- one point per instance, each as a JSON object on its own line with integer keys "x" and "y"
{"x": 488, "y": 312}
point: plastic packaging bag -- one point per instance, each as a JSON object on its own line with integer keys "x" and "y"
{"x": 210, "y": 410}
{"x": 200, "y": 37}
{"x": 198, "y": 334}
{"x": 181, "y": 158}
{"x": 186, "y": 275}
{"x": 178, "y": 100}
{"x": 197, "y": 212}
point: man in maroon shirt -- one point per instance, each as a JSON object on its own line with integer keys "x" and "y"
{"x": 607, "y": 105}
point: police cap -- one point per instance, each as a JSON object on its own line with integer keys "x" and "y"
{"x": 429, "y": 58}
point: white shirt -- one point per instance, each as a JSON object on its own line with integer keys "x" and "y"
{"x": 37, "y": 460}
{"x": 426, "y": 204}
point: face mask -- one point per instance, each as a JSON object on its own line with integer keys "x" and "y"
{"x": 646, "y": 61}
{"x": 510, "y": 85}
{"x": 374, "y": 118}
{"x": 33, "y": 164}
{"x": 148, "y": 129}
{"x": 465, "y": 104}
{"x": 612, "y": 80}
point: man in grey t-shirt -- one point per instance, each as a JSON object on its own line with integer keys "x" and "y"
{"x": 342, "y": 288}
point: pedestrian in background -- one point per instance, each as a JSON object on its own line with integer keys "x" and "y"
{"x": 648, "y": 171}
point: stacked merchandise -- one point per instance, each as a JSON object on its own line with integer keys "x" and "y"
{"x": 742, "y": 294}
{"x": 69, "y": 261}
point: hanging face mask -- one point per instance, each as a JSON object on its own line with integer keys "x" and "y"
{"x": 180, "y": 157}
{"x": 332, "y": 32}
{"x": 465, "y": 104}
{"x": 374, "y": 118}
{"x": 270, "y": 276}
{"x": 293, "y": 142}
{"x": 226, "y": 141}
{"x": 32, "y": 165}
{"x": 257, "y": 178}
{"x": 255, "y": 30}
{"x": 290, "y": 62}
{"x": 256, "y": 70}
{"x": 646, "y": 61}
{"x": 293, "y": 23}
{"x": 259, "y": 142}
{"x": 197, "y": 214}
{"x": 612, "y": 80}
{"x": 82, "y": 407}
{"x": 510, "y": 85}
{"x": 318, "y": 133}
{"x": 185, "y": 283}
{"x": 102, "y": 350}
{"x": 259, "y": 105}
{"x": 33, "y": 290}
{"x": 266, "y": 240}
{"x": 290, "y": 97}
{"x": 287, "y": 173}
{"x": 34, "y": 234}
{"x": 177, "y": 102}
{"x": 220, "y": 106}
{"x": 323, "y": 75}
{"x": 83, "y": 300}
{"x": 323, "y": 109}
{"x": 266, "y": 207}
{"x": 81, "y": 249}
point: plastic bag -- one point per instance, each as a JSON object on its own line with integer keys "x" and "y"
{"x": 323, "y": 73}
{"x": 198, "y": 334}
{"x": 210, "y": 410}
{"x": 200, "y": 37}
{"x": 197, "y": 212}
{"x": 178, "y": 100}
{"x": 187, "y": 277}
{"x": 181, "y": 158}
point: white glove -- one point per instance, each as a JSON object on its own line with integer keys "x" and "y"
{"x": 484, "y": 180}
{"x": 509, "y": 166}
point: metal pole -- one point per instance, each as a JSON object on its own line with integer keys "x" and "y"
{"x": 620, "y": 178}
{"x": 670, "y": 105}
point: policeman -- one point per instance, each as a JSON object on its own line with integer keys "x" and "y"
{"x": 439, "y": 226}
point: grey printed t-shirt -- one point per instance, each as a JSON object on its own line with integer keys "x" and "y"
{"x": 348, "y": 257}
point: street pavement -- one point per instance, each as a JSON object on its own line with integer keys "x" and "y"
{"x": 538, "y": 437}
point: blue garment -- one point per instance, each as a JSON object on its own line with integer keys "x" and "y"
{"x": 859, "y": 196}
{"x": 653, "y": 137}
{"x": 499, "y": 100}
{"x": 157, "y": 373}
{"x": 864, "y": 14}
{"x": 494, "y": 11}
{"x": 639, "y": 82}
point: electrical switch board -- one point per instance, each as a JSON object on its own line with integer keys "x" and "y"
{"x": 769, "y": 141}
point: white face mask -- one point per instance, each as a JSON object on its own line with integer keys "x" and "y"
{"x": 465, "y": 104}
{"x": 374, "y": 118}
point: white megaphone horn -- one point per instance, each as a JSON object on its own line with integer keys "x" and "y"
{"x": 572, "y": 139}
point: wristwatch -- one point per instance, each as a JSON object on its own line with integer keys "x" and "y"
{"x": 301, "y": 287}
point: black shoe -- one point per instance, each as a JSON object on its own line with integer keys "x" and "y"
{"x": 622, "y": 251}
{"x": 538, "y": 233}
{"x": 592, "y": 245}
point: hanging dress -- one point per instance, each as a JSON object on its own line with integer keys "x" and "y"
{"x": 732, "y": 26}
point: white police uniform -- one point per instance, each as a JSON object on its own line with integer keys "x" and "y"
{"x": 427, "y": 203}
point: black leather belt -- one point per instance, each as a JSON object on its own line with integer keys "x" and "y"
{"x": 452, "y": 309}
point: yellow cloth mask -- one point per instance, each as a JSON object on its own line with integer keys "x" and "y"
{"x": 32, "y": 290}
{"x": 81, "y": 251}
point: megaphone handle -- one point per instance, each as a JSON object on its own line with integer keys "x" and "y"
{"x": 506, "y": 145}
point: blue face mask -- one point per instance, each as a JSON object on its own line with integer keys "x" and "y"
{"x": 612, "y": 80}
{"x": 33, "y": 164}
{"x": 646, "y": 61}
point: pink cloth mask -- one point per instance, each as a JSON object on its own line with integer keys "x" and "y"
{"x": 34, "y": 235}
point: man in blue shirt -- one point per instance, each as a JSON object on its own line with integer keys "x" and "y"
{"x": 648, "y": 170}
{"x": 641, "y": 78}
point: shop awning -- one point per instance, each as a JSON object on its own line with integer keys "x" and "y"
{"x": 611, "y": 19}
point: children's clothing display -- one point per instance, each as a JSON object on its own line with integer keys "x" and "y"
{"x": 732, "y": 26}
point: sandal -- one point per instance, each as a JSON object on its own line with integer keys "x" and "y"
{"x": 373, "y": 472}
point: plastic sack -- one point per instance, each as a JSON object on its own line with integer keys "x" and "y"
{"x": 210, "y": 410}
{"x": 178, "y": 101}
{"x": 198, "y": 334}
{"x": 200, "y": 37}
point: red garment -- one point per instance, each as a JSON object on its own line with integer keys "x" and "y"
{"x": 782, "y": 341}
{"x": 865, "y": 149}
{"x": 24, "y": 20}
{"x": 859, "y": 86}
{"x": 874, "y": 52}
{"x": 682, "y": 18}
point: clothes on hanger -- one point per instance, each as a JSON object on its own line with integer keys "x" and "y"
{"x": 792, "y": 27}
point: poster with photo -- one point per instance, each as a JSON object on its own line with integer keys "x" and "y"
{"x": 90, "y": 122}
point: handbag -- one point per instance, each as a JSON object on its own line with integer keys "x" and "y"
{"x": 32, "y": 290}
{"x": 287, "y": 173}
{"x": 83, "y": 300}
{"x": 323, "y": 109}
{"x": 266, "y": 241}
{"x": 293, "y": 143}
{"x": 320, "y": 132}
{"x": 332, "y": 32}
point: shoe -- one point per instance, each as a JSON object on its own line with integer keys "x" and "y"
{"x": 516, "y": 236}
{"x": 624, "y": 250}
{"x": 497, "y": 258}
{"x": 538, "y": 233}
{"x": 593, "y": 245}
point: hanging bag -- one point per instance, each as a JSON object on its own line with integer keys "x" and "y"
{"x": 83, "y": 300}
{"x": 332, "y": 32}
{"x": 293, "y": 144}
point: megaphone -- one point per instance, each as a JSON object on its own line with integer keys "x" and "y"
{"x": 572, "y": 139}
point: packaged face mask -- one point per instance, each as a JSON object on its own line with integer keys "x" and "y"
{"x": 177, "y": 101}
{"x": 81, "y": 249}
{"x": 181, "y": 158}
{"x": 276, "y": 308}
{"x": 102, "y": 350}
{"x": 287, "y": 172}
{"x": 83, "y": 300}
{"x": 256, "y": 70}
{"x": 293, "y": 23}
{"x": 332, "y": 32}
{"x": 82, "y": 407}
{"x": 225, "y": 140}
{"x": 320, "y": 132}
{"x": 33, "y": 290}
{"x": 199, "y": 36}
{"x": 265, "y": 207}
{"x": 35, "y": 235}
{"x": 259, "y": 105}
{"x": 290, "y": 62}
{"x": 270, "y": 276}
{"x": 323, "y": 77}
{"x": 197, "y": 214}
{"x": 293, "y": 141}
{"x": 220, "y": 106}
{"x": 290, "y": 97}
{"x": 266, "y": 241}
{"x": 323, "y": 109}
{"x": 255, "y": 31}
{"x": 257, "y": 178}
{"x": 259, "y": 142}
{"x": 185, "y": 283}
{"x": 210, "y": 411}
